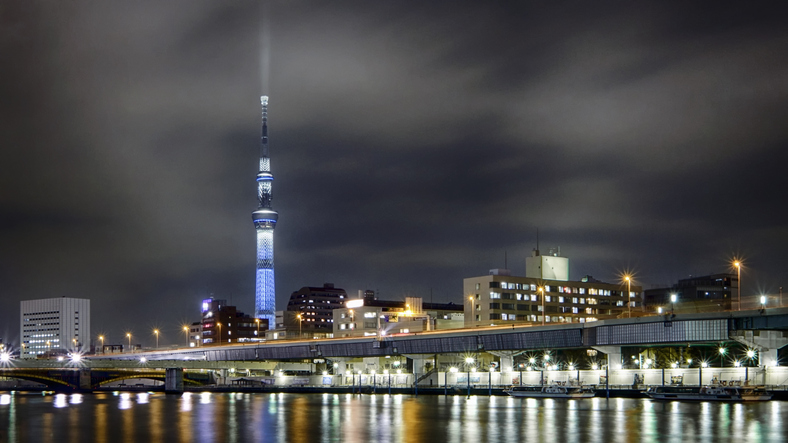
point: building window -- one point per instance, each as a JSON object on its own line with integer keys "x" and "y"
{"x": 495, "y": 306}
{"x": 495, "y": 316}
{"x": 495, "y": 295}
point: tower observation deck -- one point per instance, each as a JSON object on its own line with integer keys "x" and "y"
{"x": 264, "y": 219}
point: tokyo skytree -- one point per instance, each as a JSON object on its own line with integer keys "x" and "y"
{"x": 264, "y": 222}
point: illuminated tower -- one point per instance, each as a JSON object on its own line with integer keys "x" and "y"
{"x": 264, "y": 222}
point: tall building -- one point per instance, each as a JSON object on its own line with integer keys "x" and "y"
{"x": 54, "y": 324}
{"x": 264, "y": 222}
{"x": 315, "y": 307}
{"x": 222, "y": 324}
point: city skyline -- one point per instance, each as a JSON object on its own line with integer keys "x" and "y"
{"x": 415, "y": 146}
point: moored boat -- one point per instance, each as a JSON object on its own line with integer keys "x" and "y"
{"x": 553, "y": 391}
{"x": 708, "y": 393}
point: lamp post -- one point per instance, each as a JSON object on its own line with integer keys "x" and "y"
{"x": 74, "y": 341}
{"x": 737, "y": 264}
{"x": 468, "y": 363}
{"x": 763, "y": 303}
{"x": 156, "y": 332}
{"x": 473, "y": 313}
{"x": 186, "y": 333}
{"x": 541, "y": 289}
{"x": 219, "y": 325}
{"x": 101, "y": 337}
{"x": 48, "y": 345}
{"x": 673, "y": 298}
{"x": 300, "y": 322}
{"x": 128, "y": 335}
{"x": 629, "y": 296}
{"x": 257, "y": 320}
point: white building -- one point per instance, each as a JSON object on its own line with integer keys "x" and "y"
{"x": 54, "y": 324}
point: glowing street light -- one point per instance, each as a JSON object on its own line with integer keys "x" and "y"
{"x": 541, "y": 289}
{"x": 722, "y": 353}
{"x": 673, "y": 298}
{"x": 763, "y": 302}
{"x": 257, "y": 320}
{"x": 128, "y": 335}
{"x": 186, "y": 332}
{"x": 219, "y": 325}
{"x": 300, "y": 322}
{"x": 101, "y": 337}
{"x": 156, "y": 331}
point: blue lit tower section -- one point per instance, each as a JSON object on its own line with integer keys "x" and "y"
{"x": 264, "y": 222}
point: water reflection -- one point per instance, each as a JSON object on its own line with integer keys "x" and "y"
{"x": 237, "y": 417}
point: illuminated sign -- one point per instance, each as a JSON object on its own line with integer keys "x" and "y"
{"x": 356, "y": 303}
{"x": 206, "y": 304}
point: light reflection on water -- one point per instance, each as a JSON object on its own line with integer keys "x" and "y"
{"x": 236, "y": 417}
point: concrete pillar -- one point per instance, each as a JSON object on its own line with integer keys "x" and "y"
{"x": 613, "y": 355}
{"x": 85, "y": 381}
{"x": 173, "y": 380}
{"x": 767, "y": 358}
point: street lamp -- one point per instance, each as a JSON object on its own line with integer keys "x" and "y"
{"x": 156, "y": 331}
{"x": 101, "y": 337}
{"x": 473, "y": 313}
{"x": 257, "y": 320}
{"x": 468, "y": 363}
{"x": 763, "y": 303}
{"x": 218, "y": 324}
{"x": 541, "y": 289}
{"x": 673, "y": 298}
{"x": 737, "y": 264}
{"x": 629, "y": 295}
{"x": 128, "y": 335}
{"x": 186, "y": 332}
{"x": 74, "y": 341}
{"x": 300, "y": 322}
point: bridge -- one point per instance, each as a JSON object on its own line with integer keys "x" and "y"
{"x": 438, "y": 357}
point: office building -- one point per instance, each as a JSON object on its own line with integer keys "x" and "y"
{"x": 54, "y": 325}
{"x": 222, "y": 324}
{"x": 310, "y": 310}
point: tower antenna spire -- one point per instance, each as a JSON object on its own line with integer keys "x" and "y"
{"x": 265, "y": 219}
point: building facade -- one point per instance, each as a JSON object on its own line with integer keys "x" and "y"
{"x": 503, "y": 299}
{"x": 54, "y": 325}
{"x": 310, "y": 310}
{"x": 707, "y": 293}
{"x": 367, "y": 316}
{"x": 222, "y": 324}
{"x": 265, "y": 219}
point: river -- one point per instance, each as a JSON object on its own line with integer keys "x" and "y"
{"x": 235, "y": 417}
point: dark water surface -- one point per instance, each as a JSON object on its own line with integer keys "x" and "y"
{"x": 228, "y": 417}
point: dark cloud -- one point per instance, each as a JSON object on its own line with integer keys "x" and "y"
{"x": 412, "y": 146}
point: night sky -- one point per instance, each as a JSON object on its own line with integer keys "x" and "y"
{"x": 412, "y": 146}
